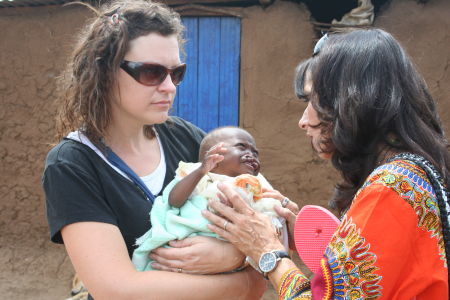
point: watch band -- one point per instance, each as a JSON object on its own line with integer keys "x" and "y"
{"x": 281, "y": 254}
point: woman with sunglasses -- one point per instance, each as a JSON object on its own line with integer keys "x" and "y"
{"x": 370, "y": 112}
{"x": 119, "y": 149}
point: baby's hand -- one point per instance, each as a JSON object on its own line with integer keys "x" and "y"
{"x": 212, "y": 157}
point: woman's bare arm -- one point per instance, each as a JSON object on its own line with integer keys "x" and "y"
{"x": 100, "y": 257}
{"x": 198, "y": 255}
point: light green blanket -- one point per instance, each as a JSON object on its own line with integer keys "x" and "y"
{"x": 171, "y": 223}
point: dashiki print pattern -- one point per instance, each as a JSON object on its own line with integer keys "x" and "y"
{"x": 378, "y": 249}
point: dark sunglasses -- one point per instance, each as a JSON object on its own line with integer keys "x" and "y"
{"x": 153, "y": 74}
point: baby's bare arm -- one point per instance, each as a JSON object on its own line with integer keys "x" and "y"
{"x": 184, "y": 188}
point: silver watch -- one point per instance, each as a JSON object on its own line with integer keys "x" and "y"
{"x": 269, "y": 261}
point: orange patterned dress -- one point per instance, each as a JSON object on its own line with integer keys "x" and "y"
{"x": 389, "y": 244}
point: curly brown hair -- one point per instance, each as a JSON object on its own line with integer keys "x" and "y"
{"x": 88, "y": 82}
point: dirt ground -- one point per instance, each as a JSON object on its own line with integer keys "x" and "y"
{"x": 35, "y": 42}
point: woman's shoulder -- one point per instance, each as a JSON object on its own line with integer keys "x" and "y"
{"x": 70, "y": 152}
{"x": 407, "y": 180}
{"x": 400, "y": 171}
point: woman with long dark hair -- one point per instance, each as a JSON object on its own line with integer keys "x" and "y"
{"x": 370, "y": 112}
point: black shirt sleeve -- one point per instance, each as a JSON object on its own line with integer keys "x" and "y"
{"x": 73, "y": 194}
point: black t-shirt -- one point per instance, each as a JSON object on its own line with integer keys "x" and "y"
{"x": 80, "y": 186}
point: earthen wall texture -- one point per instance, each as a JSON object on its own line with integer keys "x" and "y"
{"x": 34, "y": 46}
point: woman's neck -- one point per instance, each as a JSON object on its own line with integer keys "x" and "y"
{"x": 141, "y": 153}
{"x": 126, "y": 139}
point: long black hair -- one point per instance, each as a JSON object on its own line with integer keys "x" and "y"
{"x": 373, "y": 104}
{"x": 371, "y": 100}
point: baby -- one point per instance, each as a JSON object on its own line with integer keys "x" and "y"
{"x": 227, "y": 154}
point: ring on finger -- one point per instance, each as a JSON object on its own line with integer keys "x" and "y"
{"x": 285, "y": 202}
{"x": 225, "y": 225}
{"x": 180, "y": 270}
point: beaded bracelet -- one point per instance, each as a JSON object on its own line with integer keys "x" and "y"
{"x": 284, "y": 277}
{"x": 293, "y": 282}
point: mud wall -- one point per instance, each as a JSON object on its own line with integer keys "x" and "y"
{"x": 34, "y": 46}
{"x": 33, "y": 50}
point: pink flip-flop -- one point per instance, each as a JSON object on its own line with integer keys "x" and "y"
{"x": 313, "y": 230}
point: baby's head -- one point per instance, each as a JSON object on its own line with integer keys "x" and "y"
{"x": 241, "y": 157}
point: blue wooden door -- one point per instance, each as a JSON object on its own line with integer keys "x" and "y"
{"x": 209, "y": 93}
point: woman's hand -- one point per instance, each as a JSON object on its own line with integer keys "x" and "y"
{"x": 198, "y": 255}
{"x": 285, "y": 202}
{"x": 250, "y": 231}
{"x": 290, "y": 218}
{"x": 288, "y": 210}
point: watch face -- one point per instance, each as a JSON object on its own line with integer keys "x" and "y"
{"x": 267, "y": 262}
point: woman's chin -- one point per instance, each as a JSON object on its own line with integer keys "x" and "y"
{"x": 158, "y": 118}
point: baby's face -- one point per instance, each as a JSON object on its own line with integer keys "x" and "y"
{"x": 241, "y": 157}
